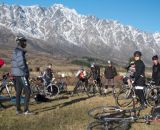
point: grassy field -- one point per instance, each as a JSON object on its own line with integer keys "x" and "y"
{"x": 63, "y": 113}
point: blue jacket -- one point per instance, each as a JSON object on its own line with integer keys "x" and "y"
{"x": 19, "y": 65}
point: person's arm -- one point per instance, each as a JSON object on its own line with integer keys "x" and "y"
{"x": 105, "y": 72}
{"x": 115, "y": 71}
{"x": 77, "y": 74}
{"x": 139, "y": 71}
{"x": 152, "y": 73}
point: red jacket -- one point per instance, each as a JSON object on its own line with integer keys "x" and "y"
{"x": 1, "y": 62}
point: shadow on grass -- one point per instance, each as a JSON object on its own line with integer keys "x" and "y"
{"x": 61, "y": 105}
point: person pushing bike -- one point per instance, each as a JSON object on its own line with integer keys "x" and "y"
{"x": 139, "y": 76}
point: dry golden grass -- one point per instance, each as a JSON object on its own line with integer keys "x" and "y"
{"x": 62, "y": 113}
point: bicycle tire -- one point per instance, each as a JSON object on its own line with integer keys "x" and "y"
{"x": 152, "y": 97}
{"x": 111, "y": 125}
{"x": 125, "y": 94}
{"x": 4, "y": 92}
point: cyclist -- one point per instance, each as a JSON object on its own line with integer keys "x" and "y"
{"x": 82, "y": 77}
{"x": 156, "y": 70}
{"x": 109, "y": 73}
{"x": 48, "y": 75}
{"x": 95, "y": 74}
{"x": 139, "y": 76}
{"x": 21, "y": 73}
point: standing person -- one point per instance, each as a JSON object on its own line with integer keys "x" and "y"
{"x": 139, "y": 76}
{"x": 21, "y": 73}
{"x": 156, "y": 70}
{"x": 95, "y": 74}
{"x": 82, "y": 77}
{"x": 109, "y": 73}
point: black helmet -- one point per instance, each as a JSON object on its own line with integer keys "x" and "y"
{"x": 137, "y": 53}
{"x": 155, "y": 57}
{"x": 21, "y": 41}
{"x": 21, "y": 38}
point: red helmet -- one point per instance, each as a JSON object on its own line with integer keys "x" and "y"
{"x": 1, "y": 62}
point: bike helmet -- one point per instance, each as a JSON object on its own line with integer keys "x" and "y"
{"x": 92, "y": 65}
{"x": 155, "y": 57}
{"x": 137, "y": 53}
{"x": 132, "y": 63}
{"x": 21, "y": 39}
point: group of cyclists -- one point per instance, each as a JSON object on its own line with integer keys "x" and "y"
{"x": 135, "y": 75}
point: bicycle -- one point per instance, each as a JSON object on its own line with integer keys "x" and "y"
{"x": 62, "y": 85}
{"x": 38, "y": 87}
{"x": 6, "y": 86}
{"x": 113, "y": 117}
{"x": 93, "y": 88}
{"x": 127, "y": 95}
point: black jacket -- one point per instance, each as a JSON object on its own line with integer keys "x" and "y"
{"x": 19, "y": 65}
{"x": 110, "y": 72}
{"x": 48, "y": 75}
{"x": 139, "y": 75}
{"x": 95, "y": 73}
{"x": 156, "y": 74}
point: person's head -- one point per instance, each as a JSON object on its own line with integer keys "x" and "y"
{"x": 155, "y": 60}
{"x": 92, "y": 66}
{"x": 1, "y": 63}
{"x": 137, "y": 55}
{"x": 109, "y": 63}
{"x": 132, "y": 64}
{"x": 81, "y": 68}
{"x": 50, "y": 66}
{"x": 21, "y": 41}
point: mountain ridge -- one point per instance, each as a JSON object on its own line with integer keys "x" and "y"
{"x": 91, "y": 36}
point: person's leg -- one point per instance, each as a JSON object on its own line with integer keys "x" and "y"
{"x": 106, "y": 86}
{"x": 112, "y": 83}
{"x": 18, "y": 93}
{"x": 99, "y": 85}
{"x": 140, "y": 95}
{"x": 27, "y": 91}
{"x": 77, "y": 85}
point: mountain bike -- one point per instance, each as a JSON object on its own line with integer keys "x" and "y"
{"x": 115, "y": 118}
{"x": 38, "y": 86}
{"x": 6, "y": 87}
{"x": 126, "y": 96}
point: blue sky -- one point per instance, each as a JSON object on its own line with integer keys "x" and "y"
{"x": 142, "y": 14}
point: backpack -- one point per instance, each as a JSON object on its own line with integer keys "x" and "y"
{"x": 40, "y": 98}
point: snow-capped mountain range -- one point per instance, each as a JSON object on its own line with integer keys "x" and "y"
{"x": 74, "y": 34}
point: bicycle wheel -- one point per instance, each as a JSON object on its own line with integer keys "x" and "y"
{"x": 97, "y": 125}
{"x": 125, "y": 97}
{"x": 53, "y": 90}
{"x": 152, "y": 96}
{"x": 105, "y": 111}
{"x": 111, "y": 125}
{"x": 116, "y": 90}
{"x": 4, "y": 91}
